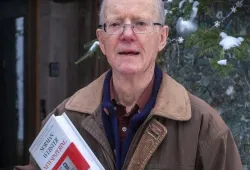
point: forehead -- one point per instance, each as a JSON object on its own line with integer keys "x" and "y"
{"x": 132, "y": 9}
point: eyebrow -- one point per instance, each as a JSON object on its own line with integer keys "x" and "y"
{"x": 140, "y": 18}
{"x": 133, "y": 18}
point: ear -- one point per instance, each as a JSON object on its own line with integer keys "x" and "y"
{"x": 163, "y": 37}
{"x": 100, "y": 37}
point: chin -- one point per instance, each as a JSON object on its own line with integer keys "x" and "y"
{"x": 126, "y": 69}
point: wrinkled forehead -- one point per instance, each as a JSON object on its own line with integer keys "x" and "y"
{"x": 132, "y": 9}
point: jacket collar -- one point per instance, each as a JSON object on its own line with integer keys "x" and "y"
{"x": 172, "y": 100}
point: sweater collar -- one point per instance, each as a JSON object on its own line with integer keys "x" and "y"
{"x": 172, "y": 100}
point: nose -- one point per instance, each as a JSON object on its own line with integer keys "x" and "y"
{"x": 128, "y": 33}
{"x": 128, "y": 27}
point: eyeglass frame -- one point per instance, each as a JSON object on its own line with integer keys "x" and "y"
{"x": 103, "y": 26}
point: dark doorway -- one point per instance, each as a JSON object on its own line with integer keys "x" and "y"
{"x": 11, "y": 83}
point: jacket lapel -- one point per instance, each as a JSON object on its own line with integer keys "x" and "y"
{"x": 152, "y": 137}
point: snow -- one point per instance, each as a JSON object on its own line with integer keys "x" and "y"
{"x": 187, "y": 27}
{"x": 93, "y": 47}
{"x": 166, "y": 12}
{"x": 181, "y": 3}
{"x": 222, "y": 62}
{"x": 230, "y": 90}
{"x": 233, "y": 9}
{"x": 217, "y": 23}
{"x": 243, "y": 118}
{"x": 180, "y": 40}
{"x": 239, "y": 4}
{"x": 229, "y": 42}
{"x": 194, "y": 10}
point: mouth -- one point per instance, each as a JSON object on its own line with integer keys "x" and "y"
{"x": 129, "y": 53}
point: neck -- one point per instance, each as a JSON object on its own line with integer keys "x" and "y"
{"x": 128, "y": 88}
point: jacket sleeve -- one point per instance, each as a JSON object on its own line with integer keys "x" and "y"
{"x": 220, "y": 154}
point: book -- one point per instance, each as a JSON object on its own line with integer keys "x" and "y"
{"x": 59, "y": 146}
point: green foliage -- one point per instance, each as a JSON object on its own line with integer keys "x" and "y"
{"x": 223, "y": 70}
{"x": 206, "y": 41}
{"x": 243, "y": 51}
{"x": 186, "y": 10}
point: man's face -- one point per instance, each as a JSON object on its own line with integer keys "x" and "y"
{"x": 128, "y": 52}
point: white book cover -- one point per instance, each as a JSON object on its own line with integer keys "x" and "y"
{"x": 59, "y": 146}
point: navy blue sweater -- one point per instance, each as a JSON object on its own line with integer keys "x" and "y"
{"x": 110, "y": 121}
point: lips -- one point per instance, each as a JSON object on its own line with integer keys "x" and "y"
{"x": 129, "y": 53}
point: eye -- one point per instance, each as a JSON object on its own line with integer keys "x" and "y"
{"x": 114, "y": 24}
{"x": 141, "y": 23}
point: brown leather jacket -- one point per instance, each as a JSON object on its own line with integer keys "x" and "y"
{"x": 182, "y": 132}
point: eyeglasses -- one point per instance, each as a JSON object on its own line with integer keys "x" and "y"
{"x": 139, "y": 27}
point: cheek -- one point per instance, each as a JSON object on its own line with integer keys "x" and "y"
{"x": 151, "y": 46}
{"x": 109, "y": 46}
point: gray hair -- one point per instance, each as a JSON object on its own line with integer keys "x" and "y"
{"x": 160, "y": 6}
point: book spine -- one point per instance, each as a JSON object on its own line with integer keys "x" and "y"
{"x": 94, "y": 161}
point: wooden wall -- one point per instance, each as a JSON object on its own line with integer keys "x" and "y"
{"x": 64, "y": 29}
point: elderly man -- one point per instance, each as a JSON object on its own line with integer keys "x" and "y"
{"x": 135, "y": 116}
